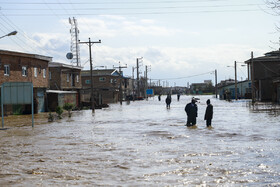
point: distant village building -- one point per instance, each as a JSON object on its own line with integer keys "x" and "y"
{"x": 106, "y": 86}
{"x": 226, "y": 90}
{"x": 65, "y": 85}
{"x": 24, "y": 67}
{"x": 202, "y": 88}
{"x": 265, "y": 74}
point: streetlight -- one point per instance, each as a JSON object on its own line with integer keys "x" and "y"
{"x": 10, "y": 34}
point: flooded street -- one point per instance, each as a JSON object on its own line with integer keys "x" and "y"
{"x": 144, "y": 144}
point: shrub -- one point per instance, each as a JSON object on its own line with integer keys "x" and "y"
{"x": 59, "y": 111}
{"x": 68, "y": 107}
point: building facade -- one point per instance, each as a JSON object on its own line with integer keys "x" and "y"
{"x": 24, "y": 67}
{"x": 65, "y": 85}
{"x": 106, "y": 86}
{"x": 264, "y": 71}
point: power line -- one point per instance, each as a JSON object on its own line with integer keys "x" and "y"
{"x": 185, "y": 77}
{"x": 135, "y": 8}
{"x": 143, "y": 13}
{"x": 113, "y": 2}
{"x": 14, "y": 27}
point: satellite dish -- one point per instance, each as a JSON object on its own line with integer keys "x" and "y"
{"x": 69, "y": 56}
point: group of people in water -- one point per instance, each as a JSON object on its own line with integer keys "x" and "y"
{"x": 191, "y": 110}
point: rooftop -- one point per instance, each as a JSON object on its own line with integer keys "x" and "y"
{"x": 28, "y": 55}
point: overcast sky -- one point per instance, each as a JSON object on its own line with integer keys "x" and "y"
{"x": 182, "y": 40}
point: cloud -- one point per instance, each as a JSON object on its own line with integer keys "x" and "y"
{"x": 114, "y": 26}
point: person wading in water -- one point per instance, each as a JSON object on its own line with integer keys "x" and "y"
{"x": 191, "y": 110}
{"x": 208, "y": 113}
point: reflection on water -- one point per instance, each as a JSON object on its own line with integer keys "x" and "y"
{"x": 142, "y": 143}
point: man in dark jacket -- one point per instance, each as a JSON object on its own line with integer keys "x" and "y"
{"x": 168, "y": 101}
{"x": 208, "y": 113}
{"x": 191, "y": 110}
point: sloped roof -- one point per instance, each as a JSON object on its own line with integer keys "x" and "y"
{"x": 20, "y": 54}
{"x": 272, "y": 56}
{"x": 58, "y": 64}
{"x": 101, "y": 72}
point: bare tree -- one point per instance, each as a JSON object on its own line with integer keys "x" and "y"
{"x": 274, "y": 5}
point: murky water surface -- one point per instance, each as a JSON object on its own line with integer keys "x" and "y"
{"x": 144, "y": 144}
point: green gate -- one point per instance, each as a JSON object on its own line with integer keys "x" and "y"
{"x": 15, "y": 93}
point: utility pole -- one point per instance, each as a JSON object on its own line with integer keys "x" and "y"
{"x": 90, "y": 43}
{"x": 235, "y": 80}
{"x": 138, "y": 83}
{"x": 133, "y": 83}
{"x": 146, "y": 80}
{"x": 216, "y": 88}
{"x": 252, "y": 78}
{"x": 148, "y": 68}
{"x": 120, "y": 77}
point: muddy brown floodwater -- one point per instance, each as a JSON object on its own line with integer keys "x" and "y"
{"x": 144, "y": 144}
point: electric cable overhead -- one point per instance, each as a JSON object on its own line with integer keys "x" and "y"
{"x": 22, "y": 33}
{"x": 185, "y": 77}
{"x": 133, "y": 8}
{"x": 115, "y": 2}
{"x": 143, "y": 13}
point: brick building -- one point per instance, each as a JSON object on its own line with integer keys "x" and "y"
{"x": 65, "y": 85}
{"x": 106, "y": 84}
{"x": 24, "y": 67}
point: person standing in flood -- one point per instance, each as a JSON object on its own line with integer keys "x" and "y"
{"x": 178, "y": 97}
{"x": 208, "y": 113}
{"x": 191, "y": 110}
{"x": 168, "y": 101}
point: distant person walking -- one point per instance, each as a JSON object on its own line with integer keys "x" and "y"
{"x": 159, "y": 97}
{"x": 208, "y": 113}
{"x": 178, "y": 97}
{"x": 168, "y": 101}
{"x": 191, "y": 110}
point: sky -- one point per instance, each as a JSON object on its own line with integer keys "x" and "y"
{"x": 181, "y": 41}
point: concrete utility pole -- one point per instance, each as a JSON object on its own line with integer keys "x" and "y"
{"x": 133, "y": 91}
{"x": 90, "y": 43}
{"x": 120, "y": 77}
{"x": 216, "y": 88}
{"x": 138, "y": 83}
{"x": 235, "y": 80}
{"x": 148, "y": 68}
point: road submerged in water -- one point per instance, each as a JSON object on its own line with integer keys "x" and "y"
{"x": 142, "y": 143}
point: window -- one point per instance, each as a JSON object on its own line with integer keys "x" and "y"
{"x": 102, "y": 79}
{"x": 77, "y": 78}
{"x": 35, "y": 72}
{"x": 7, "y": 70}
{"x": 44, "y": 73}
{"x": 68, "y": 76}
{"x": 87, "y": 81}
{"x": 24, "y": 71}
{"x": 50, "y": 75}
